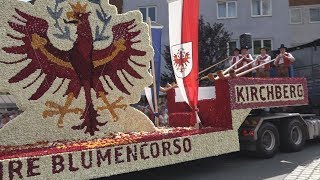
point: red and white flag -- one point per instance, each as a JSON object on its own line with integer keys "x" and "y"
{"x": 183, "y": 32}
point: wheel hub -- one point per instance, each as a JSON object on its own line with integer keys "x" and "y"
{"x": 268, "y": 140}
{"x": 296, "y": 135}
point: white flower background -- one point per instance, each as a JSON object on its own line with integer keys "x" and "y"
{"x": 204, "y": 145}
{"x": 31, "y": 127}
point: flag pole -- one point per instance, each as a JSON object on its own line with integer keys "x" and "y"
{"x": 214, "y": 65}
{"x": 156, "y": 119}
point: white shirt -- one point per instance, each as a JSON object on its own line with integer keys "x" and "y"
{"x": 262, "y": 59}
{"x": 250, "y": 59}
{"x": 290, "y": 57}
{"x": 237, "y": 58}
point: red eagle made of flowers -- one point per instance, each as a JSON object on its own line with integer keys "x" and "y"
{"x": 83, "y": 67}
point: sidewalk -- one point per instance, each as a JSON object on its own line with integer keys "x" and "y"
{"x": 309, "y": 171}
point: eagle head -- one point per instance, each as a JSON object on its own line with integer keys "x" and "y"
{"x": 78, "y": 14}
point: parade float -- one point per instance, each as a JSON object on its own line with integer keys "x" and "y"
{"x": 75, "y": 67}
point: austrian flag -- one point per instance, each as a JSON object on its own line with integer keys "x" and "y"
{"x": 183, "y": 32}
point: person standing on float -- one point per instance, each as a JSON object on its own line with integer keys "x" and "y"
{"x": 246, "y": 59}
{"x": 283, "y": 61}
{"x": 235, "y": 58}
{"x": 263, "y": 71}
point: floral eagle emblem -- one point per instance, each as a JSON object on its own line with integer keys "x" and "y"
{"x": 84, "y": 68}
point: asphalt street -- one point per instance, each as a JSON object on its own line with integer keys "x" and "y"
{"x": 234, "y": 166}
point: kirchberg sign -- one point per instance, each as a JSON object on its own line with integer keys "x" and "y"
{"x": 268, "y": 92}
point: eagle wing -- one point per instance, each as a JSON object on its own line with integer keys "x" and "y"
{"x": 116, "y": 57}
{"x": 52, "y": 62}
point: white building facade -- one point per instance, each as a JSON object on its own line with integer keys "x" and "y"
{"x": 304, "y": 21}
{"x": 270, "y": 22}
{"x": 265, "y": 20}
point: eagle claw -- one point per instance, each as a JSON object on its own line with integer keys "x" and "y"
{"x": 56, "y": 109}
{"x": 112, "y": 107}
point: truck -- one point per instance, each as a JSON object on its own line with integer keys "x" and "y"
{"x": 268, "y": 127}
{"x": 47, "y": 140}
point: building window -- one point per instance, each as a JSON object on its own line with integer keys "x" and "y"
{"x": 231, "y": 46}
{"x": 259, "y": 43}
{"x": 149, "y": 12}
{"x": 314, "y": 14}
{"x": 261, "y": 8}
{"x": 227, "y": 9}
{"x": 296, "y": 16}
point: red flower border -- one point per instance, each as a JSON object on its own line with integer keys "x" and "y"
{"x": 123, "y": 139}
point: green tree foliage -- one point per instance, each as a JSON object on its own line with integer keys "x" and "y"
{"x": 213, "y": 47}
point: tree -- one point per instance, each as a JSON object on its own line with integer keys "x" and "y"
{"x": 168, "y": 76}
{"x": 213, "y": 47}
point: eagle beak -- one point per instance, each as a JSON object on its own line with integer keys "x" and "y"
{"x": 70, "y": 15}
{"x": 71, "y": 22}
{"x": 71, "y": 18}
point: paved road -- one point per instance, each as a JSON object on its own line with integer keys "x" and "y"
{"x": 230, "y": 167}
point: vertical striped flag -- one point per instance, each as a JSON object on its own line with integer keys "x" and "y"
{"x": 156, "y": 30}
{"x": 183, "y": 32}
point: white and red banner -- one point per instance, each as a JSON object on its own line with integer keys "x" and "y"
{"x": 183, "y": 32}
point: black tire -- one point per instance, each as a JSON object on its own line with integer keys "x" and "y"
{"x": 268, "y": 142}
{"x": 292, "y": 135}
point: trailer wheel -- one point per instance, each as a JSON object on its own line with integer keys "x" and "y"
{"x": 268, "y": 140}
{"x": 293, "y": 136}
